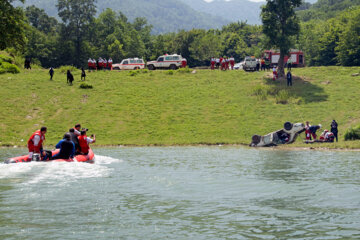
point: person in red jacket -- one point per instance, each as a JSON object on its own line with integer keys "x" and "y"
{"x": 35, "y": 142}
{"x": 183, "y": 63}
{"x": 212, "y": 62}
{"x": 84, "y": 142}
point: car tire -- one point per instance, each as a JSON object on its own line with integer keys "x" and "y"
{"x": 151, "y": 67}
{"x": 288, "y": 126}
{"x": 173, "y": 67}
{"x": 255, "y": 139}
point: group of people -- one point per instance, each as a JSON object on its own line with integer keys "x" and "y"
{"x": 74, "y": 142}
{"x": 101, "y": 63}
{"x": 222, "y": 63}
{"x": 326, "y": 135}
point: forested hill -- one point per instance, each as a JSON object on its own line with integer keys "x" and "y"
{"x": 235, "y": 10}
{"x": 164, "y": 15}
{"x": 325, "y": 9}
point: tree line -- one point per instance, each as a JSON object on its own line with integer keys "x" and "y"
{"x": 80, "y": 35}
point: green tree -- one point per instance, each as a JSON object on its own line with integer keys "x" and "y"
{"x": 280, "y": 24}
{"x": 11, "y": 25}
{"x": 77, "y": 16}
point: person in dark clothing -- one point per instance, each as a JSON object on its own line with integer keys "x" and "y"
{"x": 75, "y": 140}
{"x": 51, "y": 72}
{"x": 313, "y": 129}
{"x": 334, "y": 129}
{"x": 83, "y": 74}
{"x": 289, "y": 78}
{"x": 67, "y": 148}
{"x": 69, "y": 77}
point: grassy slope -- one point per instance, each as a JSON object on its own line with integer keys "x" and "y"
{"x": 158, "y": 108}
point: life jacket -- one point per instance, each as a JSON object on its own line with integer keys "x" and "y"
{"x": 83, "y": 144}
{"x": 31, "y": 146}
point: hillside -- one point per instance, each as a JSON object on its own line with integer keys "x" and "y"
{"x": 170, "y": 108}
{"x": 235, "y": 10}
{"x": 165, "y": 15}
{"x": 326, "y": 9}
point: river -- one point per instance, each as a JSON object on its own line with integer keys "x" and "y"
{"x": 183, "y": 193}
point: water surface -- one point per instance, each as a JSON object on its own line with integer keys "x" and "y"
{"x": 183, "y": 193}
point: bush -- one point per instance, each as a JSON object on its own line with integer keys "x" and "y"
{"x": 260, "y": 92}
{"x": 170, "y": 72}
{"x": 282, "y": 97}
{"x": 352, "y": 133}
{"x": 184, "y": 70}
{"x": 4, "y": 58}
{"x": 144, "y": 71}
{"x": 64, "y": 69}
{"x": 134, "y": 72}
{"x": 86, "y": 86}
{"x": 9, "y": 67}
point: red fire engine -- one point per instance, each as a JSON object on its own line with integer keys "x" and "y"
{"x": 297, "y": 57}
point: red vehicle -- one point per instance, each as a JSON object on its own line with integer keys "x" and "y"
{"x": 297, "y": 57}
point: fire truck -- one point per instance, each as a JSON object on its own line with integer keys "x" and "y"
{"x": 297, "y": 57}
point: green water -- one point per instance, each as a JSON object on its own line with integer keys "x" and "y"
{"x": 183, "y": 193}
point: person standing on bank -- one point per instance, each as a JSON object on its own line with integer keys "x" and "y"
{"x": 334, "y": 129}
{"x": 289, "y": 78}
{"x": 51, "y": 72}
{"x": 289, "y": 63}
{"x": 83, "y": 74}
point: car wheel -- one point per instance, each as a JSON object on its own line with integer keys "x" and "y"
{"x": 173, "y": 67}
{"x": 288, "y": 126}
{"x": 256, "y": 139}
{"x": 151, "y": 67}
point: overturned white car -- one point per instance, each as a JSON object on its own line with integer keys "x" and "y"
{"x": 283, "y": 136}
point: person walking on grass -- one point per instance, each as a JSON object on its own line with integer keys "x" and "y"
{"x": 83, "y": 74}
{"x": 334, "y": 129}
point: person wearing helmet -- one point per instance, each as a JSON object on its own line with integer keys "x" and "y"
{"x": 67, "y": 148}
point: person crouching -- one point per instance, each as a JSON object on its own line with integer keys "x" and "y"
{"x": 67, "y": 148}
{"x": 84, "y": 142}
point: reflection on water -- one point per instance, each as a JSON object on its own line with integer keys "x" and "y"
{"x": 183, "y": 193}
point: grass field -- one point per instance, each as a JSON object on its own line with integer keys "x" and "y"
{"x": 177, "y": 107}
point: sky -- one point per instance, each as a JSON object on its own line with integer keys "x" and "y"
{"x": 230, "y": 0}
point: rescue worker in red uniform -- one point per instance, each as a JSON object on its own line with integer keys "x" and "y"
{"x": 110, "y": 62}
{"x": 84, "y": 142}
{"x": 212, "y": 62}
{"x": 232, "y": 62}
{"x": 35, "y": 143}
{"x": 183, "y": 63}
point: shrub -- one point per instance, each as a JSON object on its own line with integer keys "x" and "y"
{"x": 170, "y": 72}
{"x": 260, "y": 92}
{"x": 64, "y": 69}
{"x": 184, "y": 70}
{"x": 144, "y": 71}
{"x": 134, "y": 72}
{"x": 4, "y": 58}
{"x": 282, "y": 97}
{"x": 9, "y": 67}
{"x": 86, "y": 86}
{"x": 352, "y": 133}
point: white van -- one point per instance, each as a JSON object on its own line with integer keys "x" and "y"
{"x": 130, "y": 64}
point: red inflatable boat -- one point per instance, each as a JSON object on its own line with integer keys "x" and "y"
{"x": 89, "y": 158}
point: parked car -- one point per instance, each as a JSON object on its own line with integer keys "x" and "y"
{"x": 130, "y": 64}
{"x": 286, "y": 135}
{"x": 166, "y": 62}
{"x": 250, "y": 64}
{"x": 239, "y": 65}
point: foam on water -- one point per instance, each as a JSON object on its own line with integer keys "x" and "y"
{"x": 57, "y": 172}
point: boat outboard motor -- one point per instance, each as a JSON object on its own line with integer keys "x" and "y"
{"x": 36, "y": 157}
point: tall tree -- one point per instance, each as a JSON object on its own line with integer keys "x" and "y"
{"x": 11, "y": 25}
{"x": 280, "y": 24}
{"x": 77, "y": 16}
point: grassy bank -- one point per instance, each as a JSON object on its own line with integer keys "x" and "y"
{"x": 172, "y": 107}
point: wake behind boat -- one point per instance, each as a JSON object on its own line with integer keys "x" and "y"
{"x": 88, "y": 158}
